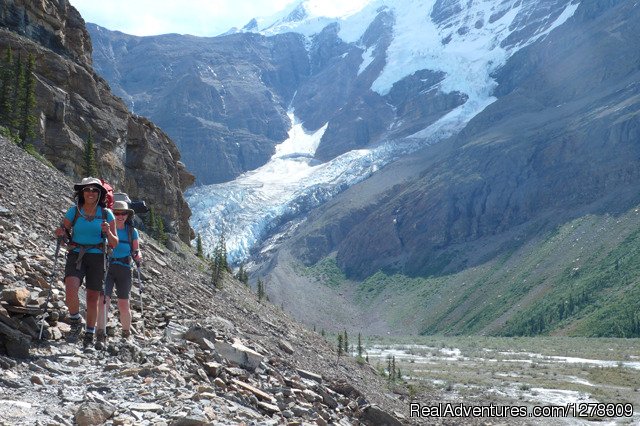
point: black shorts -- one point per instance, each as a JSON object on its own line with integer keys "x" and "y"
{"x": 119, "y": 275}
{"x": 91, "y": 269}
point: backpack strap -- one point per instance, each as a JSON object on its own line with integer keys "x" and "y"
{"x": 130, "y": 230}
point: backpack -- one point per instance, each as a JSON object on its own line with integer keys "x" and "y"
{"x": 109, "y": 200}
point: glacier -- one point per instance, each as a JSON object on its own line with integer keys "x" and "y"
{"x": 249, "y": 209}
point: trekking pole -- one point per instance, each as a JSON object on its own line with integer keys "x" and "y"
{"x": 141, "y": 287}
{"x": 53, "y": 275}
{"x": 107, "y": 261}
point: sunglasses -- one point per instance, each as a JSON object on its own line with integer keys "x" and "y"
{"x": 120, "y": 213}
{"x": 90, "y": 189}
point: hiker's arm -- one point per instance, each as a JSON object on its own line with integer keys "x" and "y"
{"x": 137, "y": 254}
{"x": 65, "y": 229}
{"x": 109, "y": 229}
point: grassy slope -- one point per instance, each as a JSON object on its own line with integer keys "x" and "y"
{"x": 583, "y": 278}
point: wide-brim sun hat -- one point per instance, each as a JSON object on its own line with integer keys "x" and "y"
{"x": 89, "y": 181}
{"x": 122, "y": 206}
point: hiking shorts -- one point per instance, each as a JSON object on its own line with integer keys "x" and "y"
{"x": 119, "y": 275}
{"x": 91, "y": 269}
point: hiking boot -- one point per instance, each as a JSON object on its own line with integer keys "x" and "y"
{"x": 101, "y": 340}
{"x": 126, "y": 334}
{"x": 76, "y": 329}
{"x": 88, "y": 340}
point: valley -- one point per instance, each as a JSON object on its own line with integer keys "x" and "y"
{"x": 554, "y": 373}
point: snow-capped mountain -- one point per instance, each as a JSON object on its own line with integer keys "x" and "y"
{"x": 462, "y": 43}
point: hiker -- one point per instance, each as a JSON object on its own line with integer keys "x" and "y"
{"x": 86, "y": 224}
{"x": 119, "y": 274}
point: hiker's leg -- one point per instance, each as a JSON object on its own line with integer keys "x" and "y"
{"x": 94, "y": 280}
{"x": 102, "y": 307}
{"x": 125, "y": 313}
{"x": 93, "y": 297}
{"x": 71, "y": 286}
{"x": 123, "y": 288}
{"x": 72, "y": 279}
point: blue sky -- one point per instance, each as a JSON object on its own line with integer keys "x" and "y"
{"x": 195, "y": 17}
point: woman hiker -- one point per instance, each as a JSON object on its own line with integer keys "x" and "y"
{"x": 87, "y": 224}
{"x": 119, "y": 274}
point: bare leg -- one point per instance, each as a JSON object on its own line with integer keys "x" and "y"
{"x": 71, "y": 286}
{"x": 93, "y": 296}
{"x": 125, "y": 313}
{"x": 102, "y": 306}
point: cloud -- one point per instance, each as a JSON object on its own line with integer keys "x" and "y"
{"x": 196, "y": 17}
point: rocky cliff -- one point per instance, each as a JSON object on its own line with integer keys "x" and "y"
{"x": 133, "y": 154}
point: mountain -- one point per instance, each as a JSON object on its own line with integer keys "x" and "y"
{"x": 368, "y": 85}
{"x": 73, "y": 102}
{"x": 431, "y": 145}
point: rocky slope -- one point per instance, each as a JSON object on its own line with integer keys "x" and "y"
{"x": 188, "y": 367}
{"x": 133, "y": 154}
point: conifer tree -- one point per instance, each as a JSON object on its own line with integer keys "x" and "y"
{"x": 160, "y": 233}
{"x": 16, "y": 96}
{"x": 90, "y": 165}
{"x": 243, "y": 275}
{"x": 359, "y": 345}
{"x": 340, "y": 344}
{"x": 261, "y": 290}
{"x": 150, "y": 223}
{"x": 393, "y": 368}
{"x": 199, "y": 252}
{"x": 7, "y": 80}
{"x": 27, "y": 118}
{"x": 346, "y": 343}
{"x": 222, "y": 253}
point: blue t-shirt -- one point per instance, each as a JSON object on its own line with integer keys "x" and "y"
{"x": 123, "y": 249}
{"x": 88, "y": 232}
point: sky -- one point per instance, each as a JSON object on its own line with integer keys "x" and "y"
{"x": 196, "y": 17}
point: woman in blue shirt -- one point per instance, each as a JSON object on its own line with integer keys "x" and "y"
{"x": 87, "y": 223}
{"x": 119, "y": 274}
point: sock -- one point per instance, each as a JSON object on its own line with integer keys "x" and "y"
{"x": 75, "y": 316}
{"x": 90, "y": 330}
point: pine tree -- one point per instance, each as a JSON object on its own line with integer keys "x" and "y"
{"x": 222, "y": 254}
{"x": 346, "y": 343}
{"x": 340, "y": 344}
{"x": 199, "y": 252}
{"x": 160, "y": 233}
{"x": 150, "y": 223}
{"x": 393, "y": 368}
{"x": 359, "y": 345}
{"x": 27, "y": 118}
{"x": 7, "y": 81}
{"x": 16, "y": 96}
{"x": 243, "y": 275}
{"x": 90, "y": 165}
{"x": 261, "y": 290}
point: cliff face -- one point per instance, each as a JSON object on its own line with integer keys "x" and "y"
{"x": 133, "y": 154}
